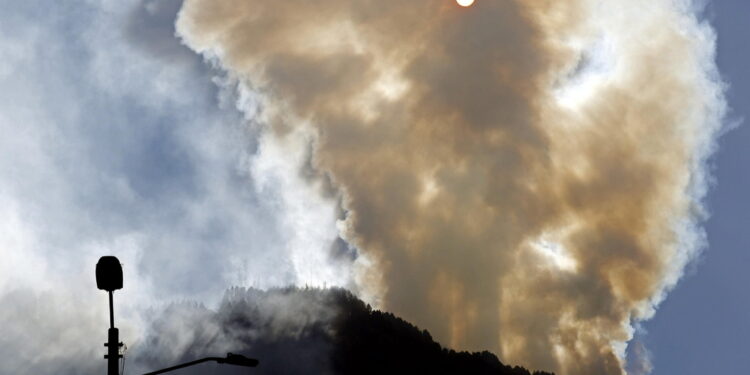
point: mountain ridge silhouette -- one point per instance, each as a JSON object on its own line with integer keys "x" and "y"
{"x": 306, "y": 331}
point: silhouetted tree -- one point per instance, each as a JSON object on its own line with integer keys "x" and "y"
{"x": 307, "y": 331}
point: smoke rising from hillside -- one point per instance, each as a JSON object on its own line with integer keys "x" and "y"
{"x": 523, "y": 176}
{"x": 324, "y": 331}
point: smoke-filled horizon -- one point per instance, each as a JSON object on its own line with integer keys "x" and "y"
{"x": 520, "y": 176}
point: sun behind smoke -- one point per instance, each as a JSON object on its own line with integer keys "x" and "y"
{"x": 465, "y": 3}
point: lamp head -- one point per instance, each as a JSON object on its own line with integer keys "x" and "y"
{"x": 239, "y": 360}
{"x": 108, "y": 274}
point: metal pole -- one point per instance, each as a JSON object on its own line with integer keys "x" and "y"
{"x": 111, "y": 312}
{"x": 113, "y": 342}
{"x": 113, "y": 352}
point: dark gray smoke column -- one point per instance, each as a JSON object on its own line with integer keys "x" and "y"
{"x": 524, "y": 176}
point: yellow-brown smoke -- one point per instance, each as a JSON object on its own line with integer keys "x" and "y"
{"x": 526, "y": 175}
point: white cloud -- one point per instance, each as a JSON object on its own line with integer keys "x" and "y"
{"x": 112, "y": 142}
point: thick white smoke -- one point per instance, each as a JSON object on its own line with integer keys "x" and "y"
{"x": 112, "y": 143}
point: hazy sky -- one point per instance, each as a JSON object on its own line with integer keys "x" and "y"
{"x": 115, "y": 138}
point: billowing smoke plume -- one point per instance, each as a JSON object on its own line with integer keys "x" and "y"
{"x": 522, "y": 175}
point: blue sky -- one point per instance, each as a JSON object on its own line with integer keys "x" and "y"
{"x": 116, "y": 138}
{"x": 703, "y": 326}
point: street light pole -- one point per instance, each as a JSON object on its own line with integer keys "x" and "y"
{"x": 109, "y": 278}
{"x": 113, "y": 352}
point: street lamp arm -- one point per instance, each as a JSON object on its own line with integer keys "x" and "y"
{"x": 232, "y": 359}
{"x": 183, "y": 365}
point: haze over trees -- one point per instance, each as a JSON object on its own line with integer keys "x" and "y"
{"x": 305, "y": 331}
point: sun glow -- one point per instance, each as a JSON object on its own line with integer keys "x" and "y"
{"x": 556, "y": 254}
{"x": 465, "y": 3}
